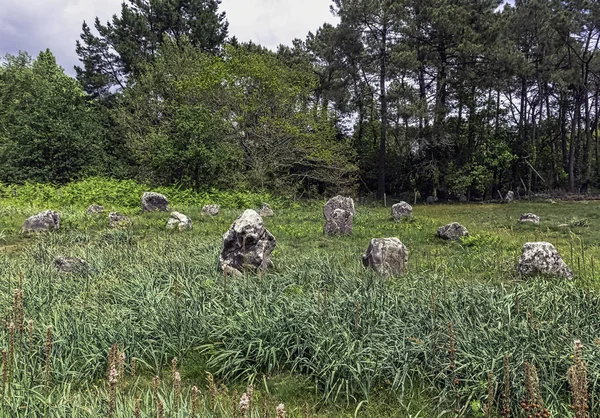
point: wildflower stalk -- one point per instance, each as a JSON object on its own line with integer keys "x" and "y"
{"x": 578, "y": 380}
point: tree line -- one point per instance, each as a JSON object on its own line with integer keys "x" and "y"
{"x": 458, "y": 99}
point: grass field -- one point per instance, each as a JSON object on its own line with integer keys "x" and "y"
{"x": 318, "y": 332}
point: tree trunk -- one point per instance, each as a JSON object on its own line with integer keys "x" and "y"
{"x": 383, "y": 98}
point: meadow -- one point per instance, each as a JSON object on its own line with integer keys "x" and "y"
{"x": 461, "y": 334}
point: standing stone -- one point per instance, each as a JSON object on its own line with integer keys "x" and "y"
{"x": 541, "y": 258}
{"x": 338, "y": 202}
{"x": 431, "y": 200}
{"x": 400, "y": 210}
{"x": 179, "y": 220}
{"x": 43, "y": 221}
{"x": 338, "y": 223}
{"x": 115, "y": 219}
{"x": 152, "y": 201}
{"x": 70, "y": 264}
{"x": 510, "y": 196}
{"x": 530, "y": 217}
{"x": 212, "y": 210}
{"x": 247, "y": 244}
{"x": 452, "y": 231}
{"x": 92, "y": 209}
{"x": 266, "y": 211}
{"x": 387, "y": 256}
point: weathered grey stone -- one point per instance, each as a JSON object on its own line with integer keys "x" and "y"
{"x": 530, "y": 217}
{"x": 92, "y": 209}
{"x": 179, "y": 220}
{"x": 212, "y": 210}
{"x": 115, "y": 219}
{"x": 541, "y": 258}
{"x": 386, "y": 256}
{"x": 152, "y": 201}
{"x": 510, "y": 196}
{"x": 452, "y": 231}
{"x": 247, "y": 244}
{"x": 338, "y": 202}
{"x": 401, "y": 209}
{"x": 338, "y": 223}
{"x": 431, "y": 200}
{"x": 70, "y": 264}
{"x": 266, "y": 211}
{"x": 43, "y": 221}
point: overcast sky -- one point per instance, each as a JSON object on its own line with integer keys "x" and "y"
{"x": 34, "y": 25}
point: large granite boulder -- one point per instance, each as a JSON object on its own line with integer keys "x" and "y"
{"x": 453, "y": 231}
{"x": 386, "y": 256}
{"x": 152, "y": 202}
{"x": 400, "y": 210}
{"x": 541, "y": 258}
{"x": 212, "y": 210}
{"x": 339, "y": 222}
{"x": 338, "y": 202}
{"x": 266, "y": 211}
{"x": 115, "y": 219}
{"x": 93, "y": 209}
{"x": 179, "y": 220}
{"x": 247, "y": 244}
{"x": 510, "y": 196}
{"x": 530, "y": 217}
{"x": 44, "y": 221}
{"x": 70, "y": 264}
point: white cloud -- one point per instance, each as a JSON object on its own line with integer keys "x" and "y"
{"x": 35, "y": 25}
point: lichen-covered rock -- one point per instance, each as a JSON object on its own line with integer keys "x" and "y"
{"x": 44, "y": 221}
{"x": 266, "y": 211}
{"x": 92, "y": 209}
{"x": 401, "y": 209}
{"x": 115, "y": 219}
{"x": 386, "y": 256}
{"x": 152, "y": 201}
{"x": 510, "y": 196}
{"x": 212, "y": 210}
{"x": 541, "y": 258}
{"x": 452, "y": 231}
{"x": 70, "y": 264}
{"x": 247, "y": 244}
{"x": 530, "y": 217}
{"x": 338, "y": 223}
{"x": 338, "y": 202}
{"x": 179, "y": 220}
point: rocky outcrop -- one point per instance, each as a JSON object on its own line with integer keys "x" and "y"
{"x": 541, "y": 258}
{"x": 387, "y": 256}
{"x": 246, "y": 245}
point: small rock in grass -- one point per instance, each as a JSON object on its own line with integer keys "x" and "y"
{"x": 70, "y": 264}
{"x": 179, "y": 220}
{"x": 530, "y": 217}
{"x": 338, "y": 202}
{"x": 43, "y": 221}
{"x": 452, "y": 231}
{"x": 115, "y": 219}
{"x": 401, "y": 209}
{"x": 338, "y": 223}
{"x": 510, "y": 196}
{"x": 266, "y": 211}
{"x": 431, "y": 200}
{"x": 212, "y": 210}
{"x": 92, "y": 209}
{"x": 541, "y": 258}
{"x": 387, "y": 256}
{"x": 247, "y": 244}
{"x": 152, "y": 201}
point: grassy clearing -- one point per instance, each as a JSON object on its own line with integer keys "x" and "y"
{"x": 318, "y": 332}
